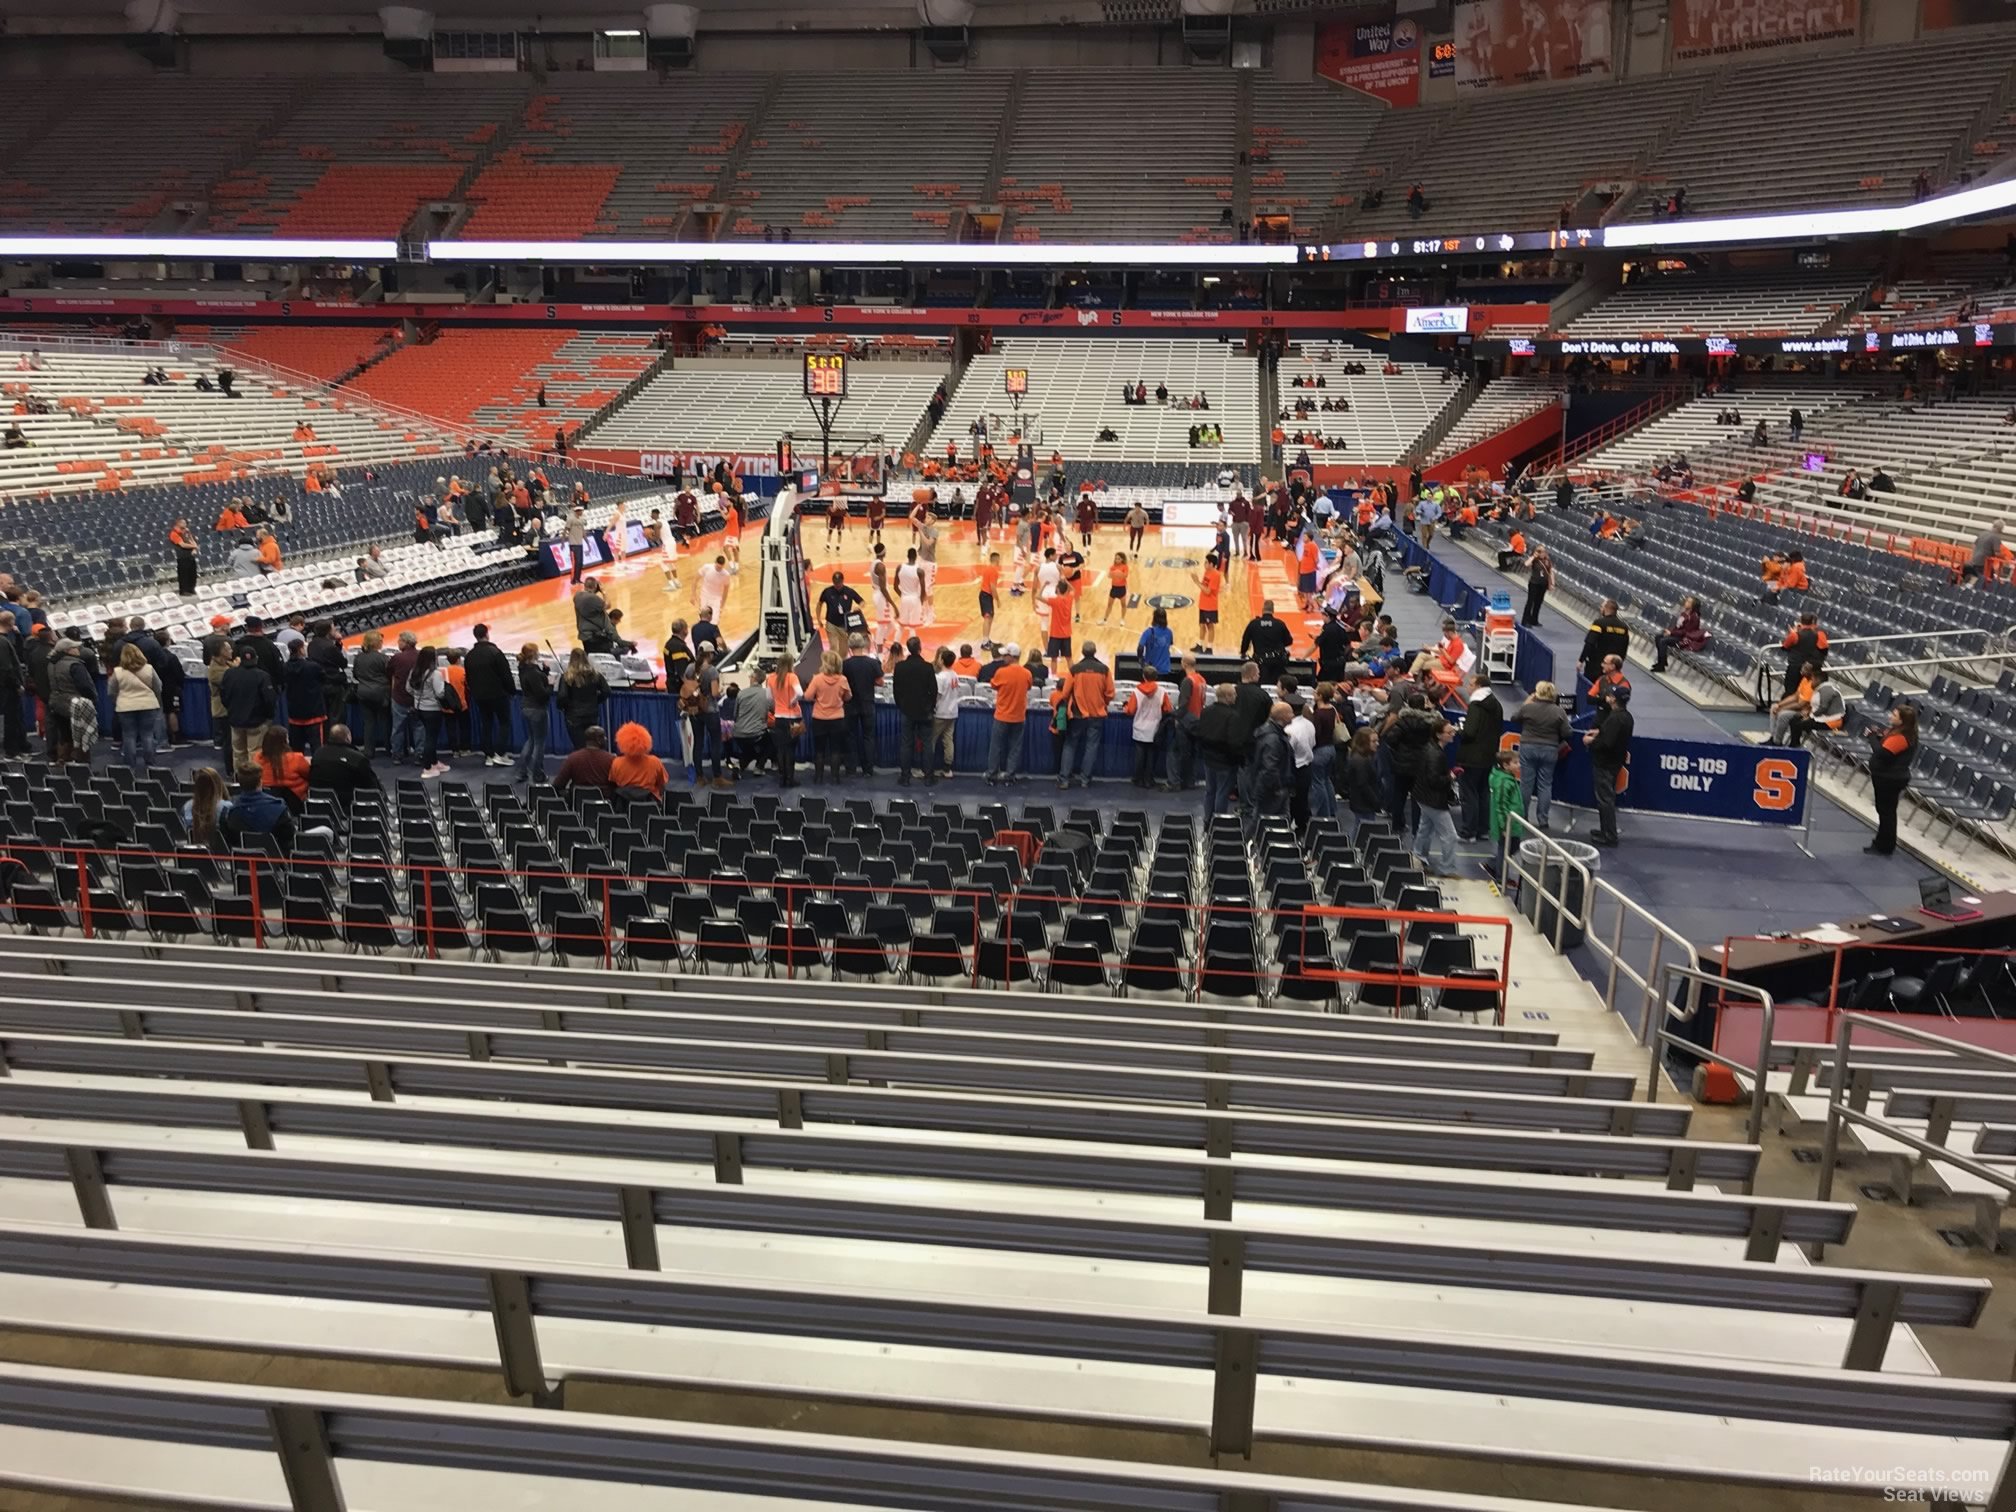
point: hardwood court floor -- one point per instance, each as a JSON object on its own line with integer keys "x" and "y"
{"x": 543, "y": 611}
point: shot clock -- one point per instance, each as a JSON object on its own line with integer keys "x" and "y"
{"x": 825, "y": 375}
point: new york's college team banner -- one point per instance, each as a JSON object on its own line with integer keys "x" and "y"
{"x": 1503, "y": 42}
{"x": 1379, "y": 58}
{"x": 1716, "y": 28}
{"x": 1700, "y": 779}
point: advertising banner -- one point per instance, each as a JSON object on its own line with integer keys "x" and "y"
{"x": 1506, "y": 42}
{"x": 1720, "y": 28}
{"x": 1379, "y": 58}
{"x": 1696, "y": 779}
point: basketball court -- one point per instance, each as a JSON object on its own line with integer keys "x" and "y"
{"x": 1164, "y": 573}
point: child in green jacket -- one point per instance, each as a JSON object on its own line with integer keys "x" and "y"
{"x": 1506, "y": 795}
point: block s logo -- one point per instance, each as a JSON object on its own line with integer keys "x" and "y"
{"x": 827, "y": 315}
{"x": 1777, "y": 784}
{"x": 552, "y": 312}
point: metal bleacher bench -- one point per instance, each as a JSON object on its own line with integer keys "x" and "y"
{"x": 1236, "y": 1382}
{"x": 1219, "y": 1255}
{"x": 280, "y": 1450}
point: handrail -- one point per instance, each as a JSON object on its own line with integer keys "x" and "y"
{"x": 1515, "y": 824}
{"x": 1613, "y": 950}
{"x": 1665, "y": 1037}
{"x": 1841, "y": 1108}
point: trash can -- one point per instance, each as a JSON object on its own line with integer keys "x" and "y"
{"x": 1556, "y": 881}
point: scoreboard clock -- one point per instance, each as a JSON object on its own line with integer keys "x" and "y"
{"x": 825, "y": 375}
{"x": 1017, "y": 380}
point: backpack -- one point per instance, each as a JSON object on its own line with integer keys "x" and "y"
{"x": 1060, "y": 715}
{"x": 451, "y": 701}
{"x": 689, "y": 696}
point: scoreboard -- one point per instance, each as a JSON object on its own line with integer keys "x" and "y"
{"x": 825, "y": 375}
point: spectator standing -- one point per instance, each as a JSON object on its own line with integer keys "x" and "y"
{"x": 864, "y": 674}
{"x": 582, "y": 691}
{"x": 1273, "y": 765}
{"x": 1891, "y": 752}
{"x": 1543, "y": 735}
{"x": 1090, "y": 692}
{"x": 1539, "y": 579}
{"x": 753, "y": 706}
{"x": 1434, "y": 796}
{"x": 1149, "y": 706}
{"x": 1609, "y": 753}
{"x": 307, "y": 713}
{"x": 373, "y": 671}
{"x": 830, "y": 692}
{"x": 1221, "y": 737}
{"x": 1362, "y": 789}
{"x": 945, "y": 711}
{"x": 1805, "y": 644}
{"x": 486, "y": 674}
{"x": 1607, "y": 636}
{"x": 429, "y": 685}
{"x": 136, "y": 699}
{"x": 787, "y": 720}
{"x": 535, "y": 703}
{"x": 1191, "y": 692}
{"x": 400, "y": 668}
{"x": 915, "y": 685}
{"x": 248, "y": 696}
{"x": 1008, "y": 733}
{"x": 223, "y": 657}
{"x": 1477, "y": 755}
{"x": 1266, "y": 641}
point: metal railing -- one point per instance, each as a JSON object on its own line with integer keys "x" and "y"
{"x": 1846, "y": 1104}
{"x": 1518, "y": 829}
{"x": 1667, "y": 944}
{"x": 1663, "y": 1038}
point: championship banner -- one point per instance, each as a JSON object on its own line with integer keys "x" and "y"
{"x": 1695, "y": 779}
{"x": 1507, "y": 42}
{"x": 1378, "y": 58}
{"x": 1719, "y": 28}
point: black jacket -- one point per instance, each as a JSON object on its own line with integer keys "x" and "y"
{"x": 1612, "y": 746}
{"x": 1433, "y": 786}
{"x": 915, "y": 686}
{"x": 1222, "y": 736}
{"x": 1273, "y": 766}
{"x": 10, "y": 666}
{"x": 341, "y": 770}
{"x": 486, "y": 673}
{"x": 247, "y": 693}
{"x": 265, "y": 655}
{"x": 326, "y": 652}
{"x": 301, "y": 679}
{"x": 1250, "y": 709}
{"x": 1409, "y": 740}
{"x": 581, "y": 703}
{"x": 535, "y": 687}
{"x": 1483, "y": 723}
{"x": 1608, "y": 636}
{"x": 1363, "y": 793}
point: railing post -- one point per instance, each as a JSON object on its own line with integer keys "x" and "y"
{"x": 427, "y": 911}
{"x": 608, "y": 955}
{"x": 252, "y": 890}
{"x": 83, "y": 894}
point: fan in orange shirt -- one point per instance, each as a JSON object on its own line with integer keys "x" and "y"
{"x": 1062, "y": 605}
{"x": 269, "y": 551}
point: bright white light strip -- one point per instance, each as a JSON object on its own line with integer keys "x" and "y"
{"x": 925, "y": 254}
{"x": 628, "y": 31}
{"x": 1808, "y": 224}
{"x": 262, "y": 249}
